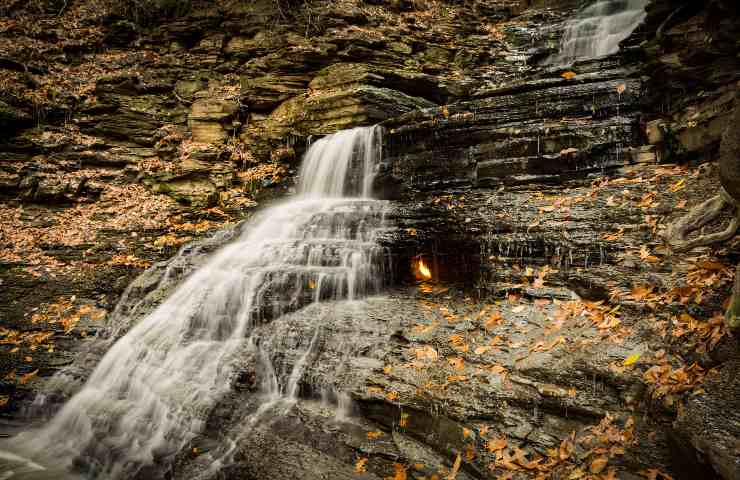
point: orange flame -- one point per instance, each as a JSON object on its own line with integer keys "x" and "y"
{"x": 424, "y": 270}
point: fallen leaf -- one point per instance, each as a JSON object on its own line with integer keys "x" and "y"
{"x": 496, "y": 444}
{"x": 457, "y": 363}
{"x": 400, "y": 472}
{"x": 621, "y": 88}
{"x": 360, "y": 465}
{"x": 455, "y": 468}
{"x": 28, "y": 377}
{"x": 632, "y": 359}
{"x": 404, "y": 420}
{"x": 375, "y": 434}
{"x": 598, "y": 464}
{"x": 569, "y": 75}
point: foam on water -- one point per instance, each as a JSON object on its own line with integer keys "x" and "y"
{"x": 152, "y": 391}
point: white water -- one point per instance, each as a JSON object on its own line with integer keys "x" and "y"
{"x": 598, "y": 30}
{"x": 152, "y": 391}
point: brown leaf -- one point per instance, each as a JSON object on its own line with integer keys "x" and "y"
{"x": 568, "y": 75}
{"x": 455, "y": 468}
{"x": 28, "y": 377}
{"x": 360, "y": 465}
{"x": 598, "y": 464}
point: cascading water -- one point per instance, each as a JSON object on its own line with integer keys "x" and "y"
{"x": 152, "y": 391}
{"x": 598, "y": 30}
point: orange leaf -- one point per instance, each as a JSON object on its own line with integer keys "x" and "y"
{"x": 28, "y": 377}
{"x": 568, "y": 75}
{"x": 400, "y": 472}
{"x": 598, "y": 464}
{"x": 375, "y": 434}
{"x": 360, "y": 465}
{"x": 455, "y": 468}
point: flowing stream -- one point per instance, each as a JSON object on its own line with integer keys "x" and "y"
{"x": 599, "y": 29}
{"x": 152, "y": 391}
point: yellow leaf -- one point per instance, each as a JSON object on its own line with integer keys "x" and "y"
{"x": 391, "y": 396}
{"x": 4, "y": 399}
{"x": 632, "y": 359}
{"x": 404, "y": 420}
{"x": 456, "y": 378}
{"x": 360, "y": 465}
{"x": 455, "y": 468}
{"x": 481, "y": 350}
{"x": 568, "y": 75}
{"x": 375, "y": 434}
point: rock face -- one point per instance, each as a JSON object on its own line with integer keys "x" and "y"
{"x": 534, "y": 193}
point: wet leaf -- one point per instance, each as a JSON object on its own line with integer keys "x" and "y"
{"x": 494, "y": 320}
{"x": 360, "y": 466}
{"x": 496, "y": 444}
{"x": 28, "y": 377}
{"x": 426, "y": 352}
{"x": 457, "y": 363}
{"x": 569, "y": 75}
{"x": 598, "y": 464}
{"x": 403, "y": 421}
{"x": 455, "y": 468}
{"x": 400, "y": 472}
{"x": 632, "y": 359}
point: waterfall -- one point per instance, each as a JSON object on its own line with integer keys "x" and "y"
{"x": 598, "y": 30}
{"x": 152, "y": 391}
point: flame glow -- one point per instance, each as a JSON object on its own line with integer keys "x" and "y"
{"x": 424, "y": 270}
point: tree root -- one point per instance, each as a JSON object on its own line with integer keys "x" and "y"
{"x": 676, "y": 235}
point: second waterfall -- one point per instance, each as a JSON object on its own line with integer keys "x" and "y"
{"x": 152, "y": 391}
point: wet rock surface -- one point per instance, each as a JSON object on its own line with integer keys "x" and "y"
{"x": 532, "y": 191}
